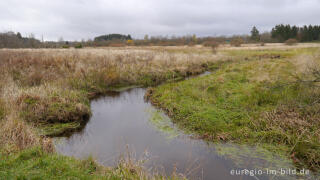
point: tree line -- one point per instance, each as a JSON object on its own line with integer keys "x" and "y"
{"x": 282, "y": 33}
{"x": 279, "y": 33}
{"x": 110, "y": 37}
{"x": 303, "y": 34}
{"x": 15, "y": 40}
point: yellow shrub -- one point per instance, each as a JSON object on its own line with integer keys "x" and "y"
{"x": 130, "y": 42}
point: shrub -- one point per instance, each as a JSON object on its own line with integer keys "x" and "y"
{"x": 236, "y": 42}
{"x": 191, "y": 44}
{"x": 213, "y": 44}
{"x": 65, "y": 46}
{"x": 130, "y": 42}
{"x": 291, "y": 42}
{"x": 210, "y": 44}
{"x": 78, "y": 46}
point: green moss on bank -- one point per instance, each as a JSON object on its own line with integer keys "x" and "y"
{"x": 251, "y": 100}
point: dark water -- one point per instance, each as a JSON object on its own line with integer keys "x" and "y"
{"x": 125, "y": 122}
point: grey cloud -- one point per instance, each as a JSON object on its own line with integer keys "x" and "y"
{"x": 77, "y": 19}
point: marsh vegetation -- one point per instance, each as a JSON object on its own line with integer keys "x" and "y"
{"x": 46, "y": 92}
{"x": 266, "y": 95}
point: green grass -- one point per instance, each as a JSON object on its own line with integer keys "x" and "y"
{"x": 221, "y": 102}
{"x": 265, "y": 53}
{"x": 250, "y": 100}
{"x": 34, "y": 163}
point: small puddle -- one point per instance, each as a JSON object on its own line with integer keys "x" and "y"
{"x": 124, "y": 122}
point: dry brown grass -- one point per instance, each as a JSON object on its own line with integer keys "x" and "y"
{"x": 277, "y": 46}
{"x": 302, "y": 123}
{"x": 17, "y": 135}
{"x": 49, "y": 86}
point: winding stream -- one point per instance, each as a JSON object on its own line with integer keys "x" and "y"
{"x": 123, "y": 122}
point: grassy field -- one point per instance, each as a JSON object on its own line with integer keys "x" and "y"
{"x": 259, "y": 96}
{"x": 46, "y": 92}
{"x": 254, "y": 94}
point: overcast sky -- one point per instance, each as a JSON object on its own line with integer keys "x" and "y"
{"x": 77, "y": 19}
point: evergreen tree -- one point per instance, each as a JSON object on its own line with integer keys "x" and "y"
{"x": 194, "y": 39}
{"x": 255, "y": 34}
{"x": 19, "y": 35}
{"x": 304, "y": 34}
{"x": 284, "y": 32}
{"x": 146, "y": 38}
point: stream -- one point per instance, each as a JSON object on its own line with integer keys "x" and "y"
{"x": 124, "y": 122}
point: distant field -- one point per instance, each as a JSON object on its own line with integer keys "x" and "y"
{"x": 272, "y": 46}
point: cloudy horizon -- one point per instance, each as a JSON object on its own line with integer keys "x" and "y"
{"x": 80, "y": 19}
